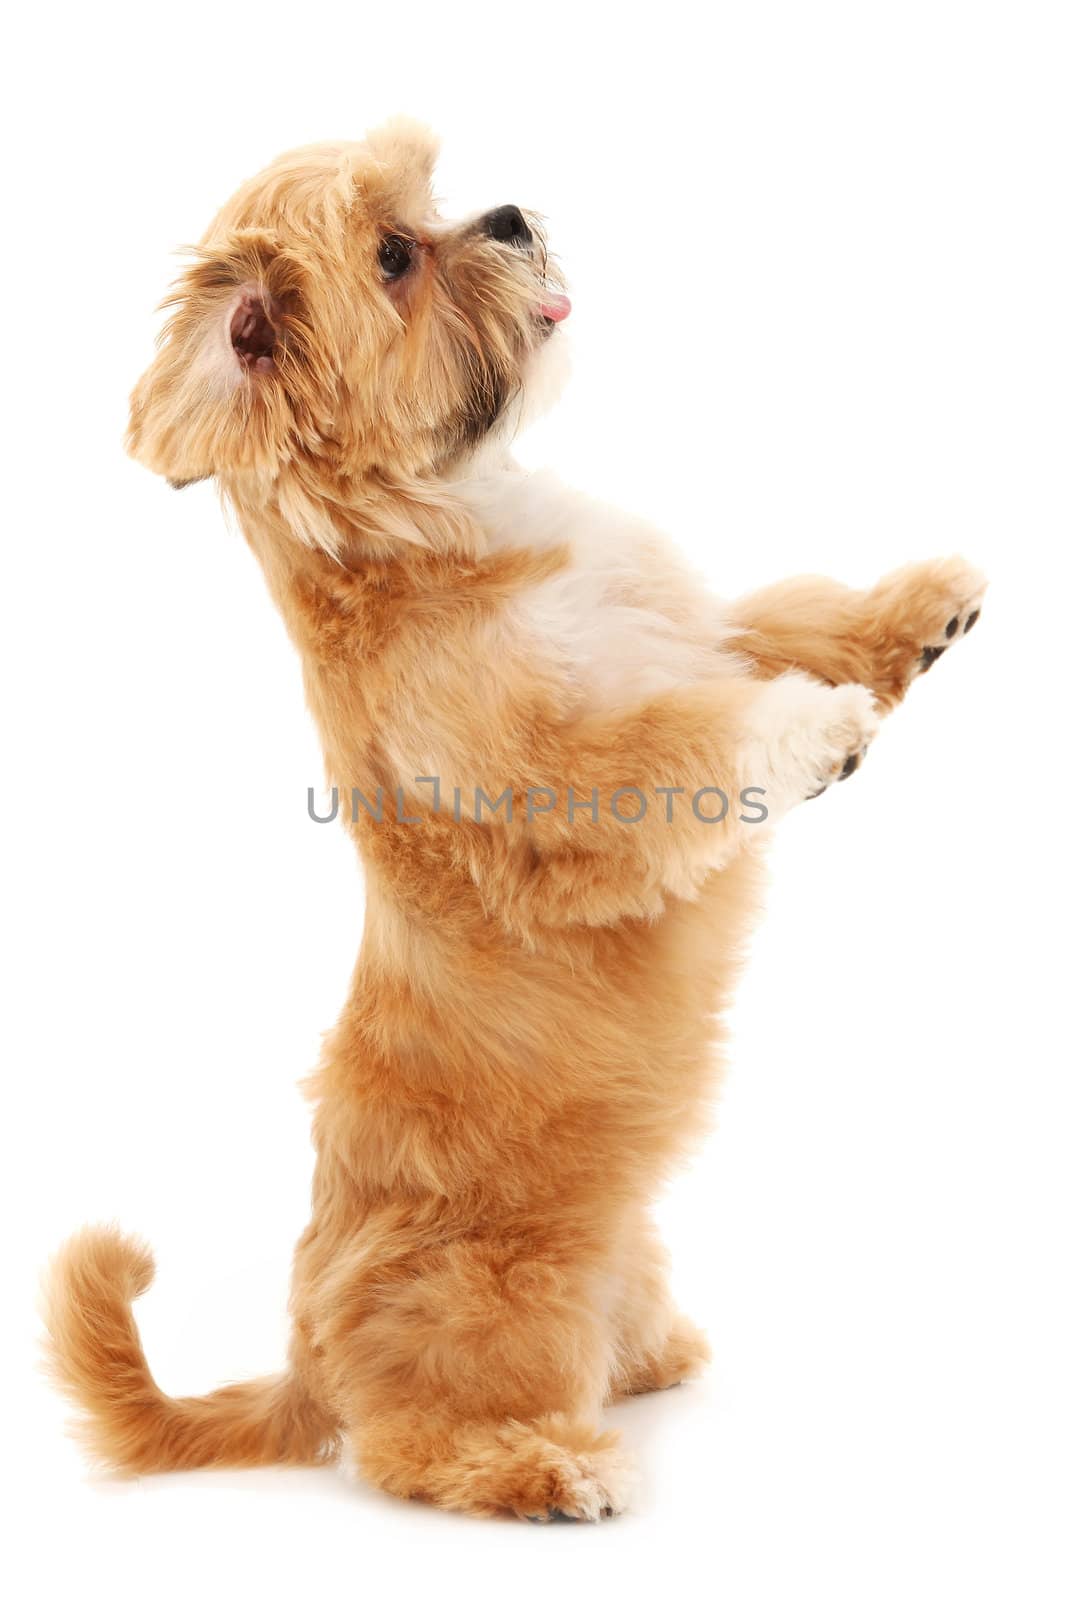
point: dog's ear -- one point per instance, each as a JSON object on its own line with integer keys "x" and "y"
{"x": 215, "y": 397}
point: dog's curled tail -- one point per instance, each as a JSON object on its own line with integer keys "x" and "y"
{"x": 94, "y": 1355}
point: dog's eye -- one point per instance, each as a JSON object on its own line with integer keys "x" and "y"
{"x": 394, "y": 256}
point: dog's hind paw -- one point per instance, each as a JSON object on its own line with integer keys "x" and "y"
{"x": 580, "y": 1486}
{"x": 555, "y": 1469}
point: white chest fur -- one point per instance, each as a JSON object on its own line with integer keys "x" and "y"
{"x": 623, "y": 619}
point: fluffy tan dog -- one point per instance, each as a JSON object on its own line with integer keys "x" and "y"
{"x": 530, "y": 1038}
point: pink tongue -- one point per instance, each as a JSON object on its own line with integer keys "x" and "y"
{"x": 556, "y": 308}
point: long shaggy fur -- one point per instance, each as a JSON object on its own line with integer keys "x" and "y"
{"x": 531, "y": 1038}
{"x": 96, "y": 1358}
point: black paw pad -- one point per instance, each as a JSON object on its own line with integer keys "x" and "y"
{"x": 951, "y": 628}
{"x": 930, "y": 655}
{"x": 971, "y": 620}
{"x": 849, "y": 767}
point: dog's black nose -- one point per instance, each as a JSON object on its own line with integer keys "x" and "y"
{"x": 507, "y": 224}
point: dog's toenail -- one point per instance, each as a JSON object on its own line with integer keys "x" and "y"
{"x": 817, "y": 792}
{"x": 849, "y": 767}
{"x": 971, "y": 620}
{"x": 930, "y": 655}
{"x": 951, "y": 628}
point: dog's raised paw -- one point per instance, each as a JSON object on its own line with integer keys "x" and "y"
{"x": 955, "y": 628}
{"x": 955, "y": 590}
{"x": 914, "y": 615}
{"x": 803, "y": 735}
{"x": 850, "y": 736}
{"x": 850, "y": 765}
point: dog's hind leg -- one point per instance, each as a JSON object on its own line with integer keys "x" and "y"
{"x": 551, "y": 1468}
{"x": 682, "y": 1354}
{"x": 473, "y": 1377}
{"x": 655, "y": 1346}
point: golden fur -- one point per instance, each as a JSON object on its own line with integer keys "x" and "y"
{"x": 530, "y": 1039}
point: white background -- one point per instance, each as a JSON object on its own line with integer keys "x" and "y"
{"x": 817, "y": 256}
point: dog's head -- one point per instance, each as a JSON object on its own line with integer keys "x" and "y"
{"x": 333, "y": 332}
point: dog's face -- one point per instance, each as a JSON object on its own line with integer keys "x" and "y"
{"x": 333, "y": 331}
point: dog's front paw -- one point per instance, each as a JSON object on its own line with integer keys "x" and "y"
{"x": 919, "y": 613}
{"x": 961, "y": 622}
{"x": 801, "y": 736}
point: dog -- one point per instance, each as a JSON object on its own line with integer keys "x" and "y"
{"x": 563, "y": 758}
